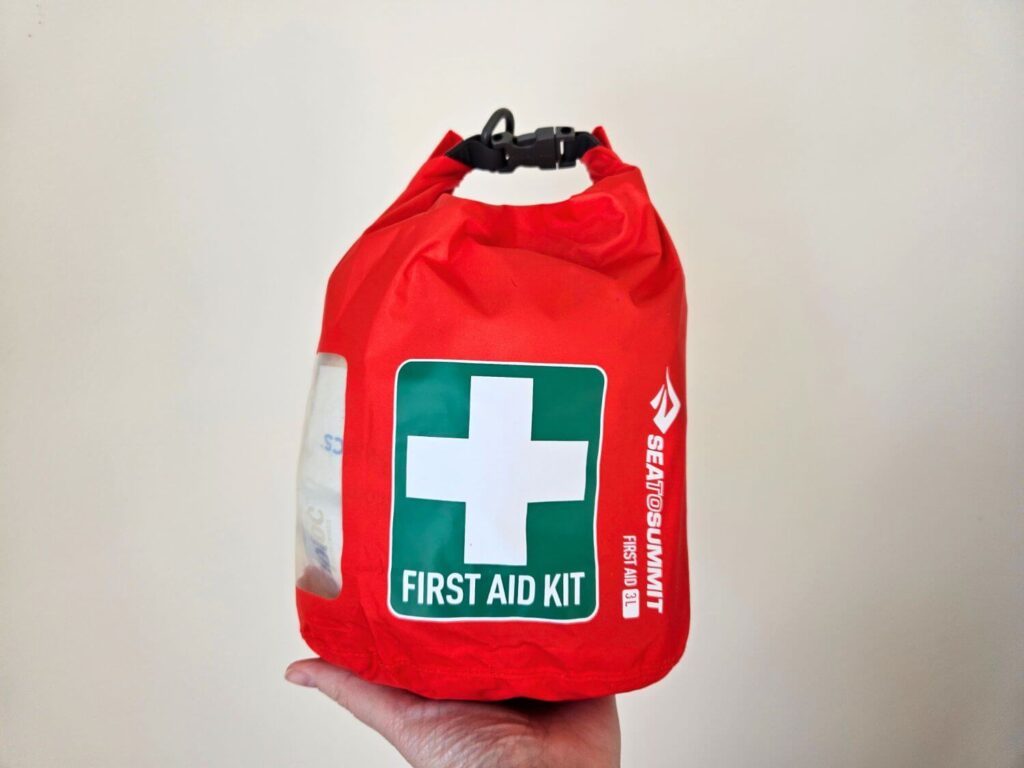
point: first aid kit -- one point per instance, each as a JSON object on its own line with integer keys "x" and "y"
{"x": 491, "y": 494}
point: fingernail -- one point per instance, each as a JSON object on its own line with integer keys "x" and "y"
{"x": 298, "y": 677}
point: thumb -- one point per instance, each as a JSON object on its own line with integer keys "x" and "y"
{"x": 379, "y": 706}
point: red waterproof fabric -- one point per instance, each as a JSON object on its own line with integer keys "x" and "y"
{"x": 590, "y": 281}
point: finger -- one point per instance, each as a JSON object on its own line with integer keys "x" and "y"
{"x": 379, "y": 706}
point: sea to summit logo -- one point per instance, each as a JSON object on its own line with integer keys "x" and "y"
{"x": 495, "y": 491}
{"x": 667, "y": 405}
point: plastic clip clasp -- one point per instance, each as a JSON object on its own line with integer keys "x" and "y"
{"x": 545, "y": 148}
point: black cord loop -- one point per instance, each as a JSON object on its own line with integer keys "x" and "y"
{"x": 502, "y": 113}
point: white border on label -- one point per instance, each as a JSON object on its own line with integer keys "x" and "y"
{"x": 597, "y": 493}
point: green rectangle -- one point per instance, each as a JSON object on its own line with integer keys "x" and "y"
{"x": 429, "y": 576}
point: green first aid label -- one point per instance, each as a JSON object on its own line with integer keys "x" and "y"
{"x": 495, "y": 491}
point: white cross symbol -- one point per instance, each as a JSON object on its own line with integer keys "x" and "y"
{"x": 497, "y": 470}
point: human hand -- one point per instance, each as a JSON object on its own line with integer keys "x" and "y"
{"x": 471, "y": 734}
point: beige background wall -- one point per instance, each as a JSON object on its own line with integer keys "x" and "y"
{"x": 844, "y": 181}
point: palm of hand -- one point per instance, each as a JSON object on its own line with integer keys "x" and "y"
{"x": 527, "y": 733}
{"x": 443, "y": 734}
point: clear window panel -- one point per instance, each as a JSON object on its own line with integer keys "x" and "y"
{"x": 318, "y": 537}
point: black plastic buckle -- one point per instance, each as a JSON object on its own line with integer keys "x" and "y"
{"x": 547, "y": 148}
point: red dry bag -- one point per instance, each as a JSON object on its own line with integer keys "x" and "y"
{"x": 492, "y": 485}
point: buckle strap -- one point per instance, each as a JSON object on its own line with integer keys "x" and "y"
{"x": 546, "y": 148}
